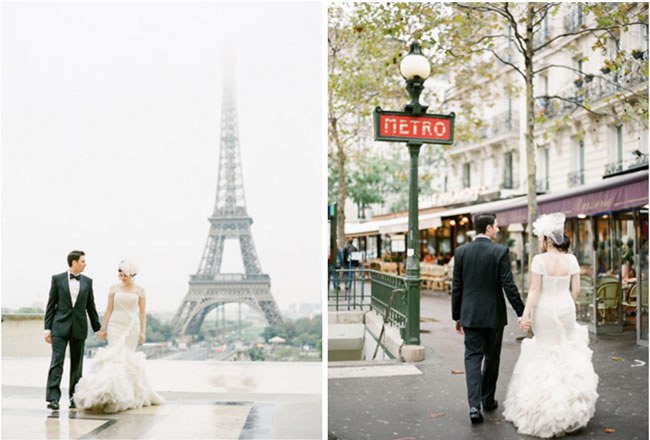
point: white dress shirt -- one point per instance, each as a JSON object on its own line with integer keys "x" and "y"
{"x": 73, "y": 285}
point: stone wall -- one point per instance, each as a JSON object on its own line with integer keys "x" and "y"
{"x": 22, "y": 336}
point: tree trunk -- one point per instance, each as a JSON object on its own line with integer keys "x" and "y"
{"x": 342, "y": 193}
{"x": 530, "y": 137}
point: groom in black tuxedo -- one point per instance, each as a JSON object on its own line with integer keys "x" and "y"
{"x": 71, "y": 297}
{"x": 481, "y": 276}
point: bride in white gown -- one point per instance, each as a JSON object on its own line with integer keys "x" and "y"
{"x": 116, "y": 379}
{"x": 553, "y": 386}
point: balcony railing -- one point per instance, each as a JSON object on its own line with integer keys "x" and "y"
{"x": 542, "y": 185}
{"x": 576, "y": 178}
{"x": 499, "y": 125}
{"x": 625, "y": 166}
{"x": 573, "y": 21}
{"x": 594, "y": 88}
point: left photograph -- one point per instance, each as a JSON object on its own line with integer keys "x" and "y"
{"x": 162, "y": 176}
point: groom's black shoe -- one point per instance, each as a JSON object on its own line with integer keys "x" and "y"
{"x": 72, "y": 405}
{"x": 475, "y": 415}
{"x": 491, "y": 407}
{"x": 53, "y": 405}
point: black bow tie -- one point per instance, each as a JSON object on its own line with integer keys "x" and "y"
{"x": 75, "y": 277}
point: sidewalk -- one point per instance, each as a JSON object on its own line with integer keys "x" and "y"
{"x": 205, "y": 400}
{"x": 427, "y": 401}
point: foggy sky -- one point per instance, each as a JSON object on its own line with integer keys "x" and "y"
{"x": 110, "y": 142}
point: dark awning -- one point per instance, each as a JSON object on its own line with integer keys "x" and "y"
{"x": 610, "y": 195}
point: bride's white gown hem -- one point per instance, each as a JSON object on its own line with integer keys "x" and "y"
{"x": 116, "y": 378}
{"x": 553, "y": 386}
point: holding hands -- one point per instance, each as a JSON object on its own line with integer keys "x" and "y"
{"x": 101, "y": 335}
{"x": 524, "y": 323}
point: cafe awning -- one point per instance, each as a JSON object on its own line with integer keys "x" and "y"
{"x": 608, "y": 195}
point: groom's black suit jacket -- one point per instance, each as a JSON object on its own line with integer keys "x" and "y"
{"x": 64, "y": 319}
{"x": 481, "y": 274}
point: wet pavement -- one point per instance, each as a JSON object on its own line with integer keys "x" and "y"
{"x": 204, "y": 400}
{"x": 430, "y": 403}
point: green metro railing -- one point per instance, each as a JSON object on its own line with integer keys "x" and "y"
{"x": 388, "y": 297}
{"x": 366, "y": 289}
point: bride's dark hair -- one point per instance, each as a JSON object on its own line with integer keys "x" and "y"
{"x": 562, "y": 247}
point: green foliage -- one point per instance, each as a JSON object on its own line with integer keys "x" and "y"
{"x": 256, "y": 354}
{"x": 297, "y": 333}
{"x": 157, "y": 331}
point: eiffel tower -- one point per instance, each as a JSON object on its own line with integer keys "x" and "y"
{"x": 209, "y": 288}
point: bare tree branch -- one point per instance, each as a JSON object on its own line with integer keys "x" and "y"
{"x": 558, "y": 66}
{"x": 508, "y": 63}
{"x": 520, "y": 39}
{"x": 546, "y": 8}
{"x": 574, "y": 102}
{"x": 583, "y": 31}
{"x": 601, "y": 77}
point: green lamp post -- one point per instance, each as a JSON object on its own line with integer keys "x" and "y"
{"x": 415, "y": 68}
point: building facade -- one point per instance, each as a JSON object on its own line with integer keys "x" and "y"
{"x": 591, "y": 150}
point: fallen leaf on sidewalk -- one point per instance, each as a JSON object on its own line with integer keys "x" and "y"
{"x": 616, "y": 358}
{"x": 457, "y": 372}
{"x": 609, "y": 430}
{"x": 437, "y": 415}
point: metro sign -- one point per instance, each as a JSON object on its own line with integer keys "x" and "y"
{"x": 401, "y": 126}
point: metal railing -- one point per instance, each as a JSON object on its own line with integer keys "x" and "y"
{"x": 576, "y": 178}
{"x": 348, "y": 289}
{"x": 594, "y": 88}
{"x": 614, "y": 168}
{"x": 364, "y": 289}
{"x": 389, "y": 297}
{"x": 542, "y": 185}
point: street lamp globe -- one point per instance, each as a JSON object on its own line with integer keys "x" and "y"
{"x": 415, "y": 64}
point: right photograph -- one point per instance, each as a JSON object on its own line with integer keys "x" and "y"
{"x": 488, "y": 220}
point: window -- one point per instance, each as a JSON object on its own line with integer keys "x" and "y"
{"x": 488, "y": 173}
{"x": 616, "y": 148}
{"x": 466, "y": 175}
{"x": 577, "y": 177}
{"x": 580, "y": 160}
{"x": 643, "y": 142}
{"x": 542, "y": 169}
{"x": 615, "y": 164}
{"x": 507, "y": 170}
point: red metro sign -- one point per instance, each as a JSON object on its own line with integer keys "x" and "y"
{"x": 402, "y": 126}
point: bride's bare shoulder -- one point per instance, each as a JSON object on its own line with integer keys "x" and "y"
{"x": 140, "y": 290}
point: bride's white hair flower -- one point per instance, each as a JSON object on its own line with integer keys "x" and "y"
{"x": 551, "y": 226}
{"x": 128, "y": 268}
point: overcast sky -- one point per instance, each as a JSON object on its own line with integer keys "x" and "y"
{"x": 110, "y": 142}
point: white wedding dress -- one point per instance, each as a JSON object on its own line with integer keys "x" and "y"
{"x": 553, "y": 386}
{"x": 116, "y": 379}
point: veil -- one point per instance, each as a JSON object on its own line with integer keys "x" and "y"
{"x": 551, "y": 226}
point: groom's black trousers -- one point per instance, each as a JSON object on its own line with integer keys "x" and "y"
{"x": 482, "y": 356}
{"x": 56, "y": 366}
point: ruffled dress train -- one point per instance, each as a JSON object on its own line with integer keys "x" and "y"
{"x": 116, "y": 378}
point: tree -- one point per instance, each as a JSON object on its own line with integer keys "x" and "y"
{"x": 469, "y": 38}
{"x": 357, "y": 78}
{"x": 525, "y": 23}
{"x": 157, "y": 331}
{"x": 367, "y": 182}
